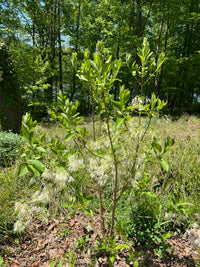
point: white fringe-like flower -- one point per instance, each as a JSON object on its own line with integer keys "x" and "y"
{"x": 101, "y": 169}
{"x": 62, "y": 178}
{"x": 19, "y": 226}
{"x": 21, "y": 208}
{"x": 194, "y": 236}
{"x": 44, "y": 196}
{"x": 138, "y": 101}
{"x": 47, "y": 174}
{"x": 75, "y": 163}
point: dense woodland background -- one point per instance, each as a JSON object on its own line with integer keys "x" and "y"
{"x": 42, "y": 35}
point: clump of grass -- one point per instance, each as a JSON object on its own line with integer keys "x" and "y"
{"x": 8, "y": 194}
{"x": 9, "y": 147}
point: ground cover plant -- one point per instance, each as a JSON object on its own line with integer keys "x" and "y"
{"x": 10, "y": 144}
{"x": 121, "y": 170}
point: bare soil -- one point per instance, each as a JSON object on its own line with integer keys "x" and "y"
{"x": 44, "y": 243}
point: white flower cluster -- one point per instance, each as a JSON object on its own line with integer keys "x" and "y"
{"x": 194, "y": 235}
{"x": 101, "y": 169}
{"x": 138, "y": 101}
{"x": 45, "y": 196}
{"x": 25, "y": 213}
{"x": 75, "y": 163}
{"x": 60, "y": 178}
{"x": 100, "y": 144}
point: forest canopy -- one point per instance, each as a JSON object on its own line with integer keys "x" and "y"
{"x": 42, "y": 35}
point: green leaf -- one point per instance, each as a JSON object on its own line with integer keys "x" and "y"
{"x": 164, "y": 164}
{"x": 89, "y": 212}
{"x": 112, "y": 241}
{"x": 153, "y": 100}
{"x": 64, "y": 116}
{"x": 38, "y": 165}
{"x": 128, "y": 61}
{"x": 119, "y": 122}
{"x": 35, "y": 140}
{"x": 120, "y": 246}
{"x": 130, "y": 108}
{"x": 111, "y": 259}
{"x": 167, "y": 235}
{"x": 69, "y": 137}
{"x": 22, "y": 169}
{"x": 82, "y": 77}
{"x": 89, "y": 197}
{"x": 161, "y": 104}
{"x": 126, "y": 96}
{"x": 42, "y": 138}
{"x": 156, "y": 146}
{"x": 101, "y": 154}
{"x": 117, "y": 104}
{"x": 150, "y": 194}
{"x": 32, "y": 169}
{"x": 41, "y": 149}
{"x": 168, "y": 143}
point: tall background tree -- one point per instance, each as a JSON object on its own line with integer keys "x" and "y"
{"x": 42, "y": 35}
{"x": 10, "y": 96}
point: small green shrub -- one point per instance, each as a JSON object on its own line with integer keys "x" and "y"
{"x": 9, "y": 145}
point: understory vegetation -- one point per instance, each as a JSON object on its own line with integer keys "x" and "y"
{"x": 139, "y": 169}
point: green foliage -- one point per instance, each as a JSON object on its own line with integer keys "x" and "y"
{"x": 70, "y": 259}
{"x": 81, "y": 243}
{"x": 83, "y": 206}
{"x": 159, "y": 151}
{"x": 10, "y": 144}
{"x": 34, "y": 150}
{"x": 145, "y": 219}
{"x": 8, "y": 185}
{"x": 112, "y": 164}
{"x": 100, "y": 159}
{"x": 2, "y": 263}
{"x": 111, "y": 248}
{"x": 148, "y": 68}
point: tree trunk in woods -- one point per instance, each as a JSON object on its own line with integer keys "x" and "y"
{"x": 158, "y": 85}
{"x": 60, "y": 49}
{"x": 155, "y": 79}
{"x": 10, "y": 97}
{"x": 138, "y": 24}
{"x": 76, "y": 48}
{"x": 52, "y": 26}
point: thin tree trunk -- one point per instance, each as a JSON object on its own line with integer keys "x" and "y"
{"x": 164, "y": 51}
{"x": 116, "y": 86}
{"x": 34, "y": 15}
{"x": 60, "y": 49}
{"x": 102, "y": 222}
{"x": 155, "y": 81}
{"x": 76, "y": 48}
{"x": 52, "y": 48}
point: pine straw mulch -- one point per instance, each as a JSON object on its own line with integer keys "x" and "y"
{"x": 45, "y": 242}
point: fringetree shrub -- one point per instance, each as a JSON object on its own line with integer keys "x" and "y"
{"x": 114, "y": 157}
{"x": 9, "y": 147}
